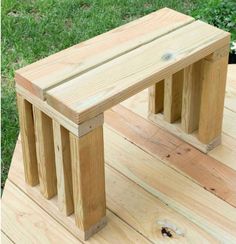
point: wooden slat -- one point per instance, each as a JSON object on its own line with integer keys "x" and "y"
{"x": 226, "y": 152}
{"x": 78, "y": 59}
{"x": 63, "y": 168}
{"x": 156, "y": 98}
{"x": 147, "y": 214}
{"x": 116, "y": 229}
{"x": 173, "y": 97}
{"x": 230, "y": 97}
{"x": 203, "y": 208}
{"x": 92, "y": 93}
{"x": 25, "y": 222}
{"x": 45, "y": 153}
{"x": 229, "y": 119}
{"x": 28, "y": 140}
{"x": 214, "y": 176}
{"x": 191, "y": 97}
{"x": 141, "y": 131}
{"x": 212, "y": 96}
{"x": 87, "y": 158}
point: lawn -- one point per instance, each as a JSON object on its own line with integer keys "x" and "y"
{"x": 33, "y": 29}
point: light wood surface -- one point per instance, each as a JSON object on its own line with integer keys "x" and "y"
{"x": 144, "y": 213}
{"x": 63, "y": 168}
{"x": 45, "y": 153}
{"x": 25, "y": 222}
{"x": 28, "y": 140}
{"x": 78, "y": 59}
{"x": 205, "y": 209}
{"x": 175, "y": 153}
{"x": 173, "y": 97}
{"x": 87, "y": 159}
{"x": 212, "y": 96}
{"x": 156, "y": 98}
{"x": 191, "y": 97}
{"x": 94, "y": 92}
{"x": 224, "y": 152}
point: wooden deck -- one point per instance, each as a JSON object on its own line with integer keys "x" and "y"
{"x": 159, "y": 189}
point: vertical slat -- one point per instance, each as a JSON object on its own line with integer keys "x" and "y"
{"x": 63, "y": 168}
{"x": 191, "y": 97}
{"x": 45, "y": 153}
{"x": 156, "y": 98}
{"x": 173, "y": 97}
{"x": 212, "y": 95}
{"x": 87, "y": 157}
{"x": 28, "y": 141}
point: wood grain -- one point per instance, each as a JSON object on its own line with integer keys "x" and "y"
{"x": 214, "y": 176}
{"x": 87, "y": 158}
{"x": 212, "y": 96}
{"x": 173, "y": 97}
{"x": 191, "y": 97}
{"x": 78, "y": 59}
{"x": 156, "y": 98}
{"x": 45, "y": 153}
{"x": 147, "y": 214}
{"x": 26, "y": 122}
{"x": 25, "y": 222}
{"x": 180, "y": 193}
{"x": 63, "y": 168}
{"x": 103, "y": 87}
{"x": 116, "y": 229}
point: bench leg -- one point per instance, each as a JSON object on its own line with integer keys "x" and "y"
{"x": 212, "y": 95}
{"x": 87, "y": 158}
{"x": 156, "y": 98}
{"x": 191, "y": 97}
{"x": 45, "y": 153}
{"x": 28, "y": 140}
{"x": 173, "y": 97}
{"x": 63, "y": 168}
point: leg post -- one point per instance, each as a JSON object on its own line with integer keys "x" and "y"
{"x": 156, "y": 98}
{"x": 63, "y": 168}
{"x": 28, "y": 140}
{"x": 45, "y": 153}
{"x": 173, "y": 97}
{"x": 212, "y": 95}
{"x": 191, "y": 97}
{"x": 87, "y": 157}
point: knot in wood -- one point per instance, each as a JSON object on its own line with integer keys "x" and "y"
{"x": 167, "y": 56}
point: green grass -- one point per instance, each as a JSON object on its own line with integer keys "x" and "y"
{"x": 33, "y": 29}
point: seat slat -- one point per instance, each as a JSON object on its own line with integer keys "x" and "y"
{"x": 103, "y": 87}
{"x": 62, "y": 66}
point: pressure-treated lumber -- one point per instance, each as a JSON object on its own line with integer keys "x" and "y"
{"x": 173, "y": 96}
{"x": 156, "y": 98}
{"x": 74, "y": 61}
{"x": 94, "y": 92}
{"x": 28, "y": 140}
{"x": 25, "y": 222}
{"x": 212, "y": 95}
{"x": 175, "y": 153}
{"x": 63, "y": 168}
{"x": 191, "y": 97}
{"x": 191, "y": 200}
{"x": 45, "y": 153}
{"x": 87, "y": 159}
{"x": 116, "y": 229}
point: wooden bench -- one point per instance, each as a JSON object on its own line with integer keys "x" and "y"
{"x": 62, "y": 99}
